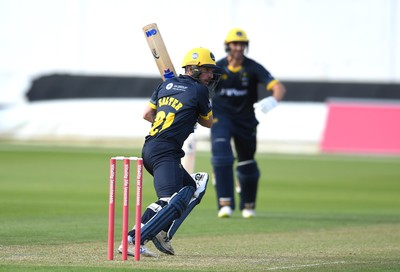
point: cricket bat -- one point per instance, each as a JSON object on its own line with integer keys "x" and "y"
{"x": 167, "y": 70}
{"x": 159, "y": 51}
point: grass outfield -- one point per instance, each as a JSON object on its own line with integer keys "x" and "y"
{"x": 315, "y": 213}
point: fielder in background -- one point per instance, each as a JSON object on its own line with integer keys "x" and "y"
{"x": 174, "y": 108}
{"x": 234, "y": 118}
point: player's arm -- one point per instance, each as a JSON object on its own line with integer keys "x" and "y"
{"x": 206, "y": 121}
{"x": 150, "y": 112}
{"x": 270, "y": 102}
{"x": 205, "y": 118}
{"x": 278, "y": 90}
{"x": 272, "y": 84}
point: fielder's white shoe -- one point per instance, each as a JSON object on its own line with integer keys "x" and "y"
{"x": 143, "y": 251}
{"x": 238, "y": 188}
{"x": 162, "y": 243}
{"x": 225, "y": 212}
{"x": 248, "y": 213}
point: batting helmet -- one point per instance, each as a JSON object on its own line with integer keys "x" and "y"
{"x": 199, "y": 57}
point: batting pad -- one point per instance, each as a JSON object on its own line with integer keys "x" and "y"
{"x": 168, "y": 214}
{"x": 201, "y": 180}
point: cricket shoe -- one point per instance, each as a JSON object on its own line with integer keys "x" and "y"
{"x": 248, "y": 213}
{"x": 225, "y": 212}
{"x": 238, "y": 188}
{"x": 143, "y": 251}
{"x": 162, "y": 243}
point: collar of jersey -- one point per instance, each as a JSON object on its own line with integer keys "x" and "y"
{"x": 234, "y": 69}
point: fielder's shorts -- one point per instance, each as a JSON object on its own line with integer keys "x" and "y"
{"x": 242, "y": 130}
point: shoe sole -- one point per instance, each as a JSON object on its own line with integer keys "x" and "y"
{"x": 160, "y": 247}
{"x": 129, "y": 253}
{"x": 248, "y": 215}
{"x": 149, "y": 254}
{"x": 145, "y": 254}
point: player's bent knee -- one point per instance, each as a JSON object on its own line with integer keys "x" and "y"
{"x": 180, "y": 200}
{"x": 157, "y": 206}
{"x": 176, "y": 206}
{"x": 222, "y": 152}
{"x": 222, "y": 160}
{"x": 248, "y": 170}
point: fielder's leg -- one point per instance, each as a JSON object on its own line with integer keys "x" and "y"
{"x": 248, "y": 175}
{"x": 222, "y": 161}
{"x": 246, "y": 169}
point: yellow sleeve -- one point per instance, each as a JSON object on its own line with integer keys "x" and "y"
{"x": 206, "y": 117}
{"x": 153, "y": 106}
{"x": 271, "y": 84}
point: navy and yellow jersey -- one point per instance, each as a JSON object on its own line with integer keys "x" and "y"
{"x": 179, "y": 102}
{"x": 237, "y": 89}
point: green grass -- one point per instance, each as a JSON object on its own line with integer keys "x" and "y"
{"x": 315, "y": 213}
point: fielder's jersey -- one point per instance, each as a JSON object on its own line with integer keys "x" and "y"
{"x": 179, "y": 102}
{"x": 237, "y": 90}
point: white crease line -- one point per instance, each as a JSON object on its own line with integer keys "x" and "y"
{"x": 304, "y": 265}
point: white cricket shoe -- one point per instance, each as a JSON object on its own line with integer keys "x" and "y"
{"x": 225, "y": 212}
{"x": 143, "y": 251}
{"x": 238, "y": 188}
{"x": 162, "y": 243}
{"x": 248, "y": 213}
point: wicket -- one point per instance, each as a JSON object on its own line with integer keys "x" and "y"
{"x": 125, "y": 205}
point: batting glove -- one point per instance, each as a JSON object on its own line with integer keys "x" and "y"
{"x": 266, "y": 104}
